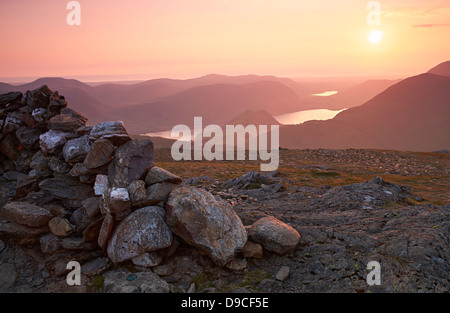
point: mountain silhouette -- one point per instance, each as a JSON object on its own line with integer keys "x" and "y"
{"x": 441, "y": 69}
{"x": 413, "y": 114}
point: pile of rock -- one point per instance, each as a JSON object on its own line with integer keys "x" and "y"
{"x": 83, "y": 192}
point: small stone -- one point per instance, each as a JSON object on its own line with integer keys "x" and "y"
{"x": 122, "y": 281}
{"x": 148, "y": 259}
{"x": 105, "y": 231}
{"x": 113, "y": 131}
{"x": 252, "y": 250}
{"x": 91, "y": 206}
{"x": 119, "y": 202}
{"x": 91, "y": 232}
{"x": 60, "y": 227}
{"x": 159, "y": 192}
{"x": 75, "y": 243}
{"x": 137, "y": 192}
{"x": 283, "y": 273}
{"x": 237, "y": 264}
{"x": 101, "y": 185}
{"x": 95, "y": 267}
{"x": 164, "y": 270}
{"x": 50, "y": 244}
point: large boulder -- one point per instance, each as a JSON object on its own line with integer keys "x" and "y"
{"x": 142, "y": 231}
{"x": 274, "y": 235}
{"x": 131, "y": 162}
{"x": 206, "y": 223}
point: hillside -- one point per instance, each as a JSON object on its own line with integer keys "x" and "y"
{"x": 441, "y": 69}
{"x": 411, "y": 115}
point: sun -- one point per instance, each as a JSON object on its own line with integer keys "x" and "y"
{"x": 375, "y": 36}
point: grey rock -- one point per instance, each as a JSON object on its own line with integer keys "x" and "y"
{"x": 137, "y": 192}
{"x": 95, "y": 266}
{"x": 159, "y": 175}
{"x": 274, "y": 235}
{"x": 148, "y": 259}
{"x": 66, "y": 187}
{"x": 16, "y": 230}
{"x": 101, "y": 185}
{"x": 106, "y": 231}
{"x": 113, "y": 131}
{"x": 91, "y": 206}
{"x": 142, "y": 231}
{"x": 28, "y": 137}
{"x": 206, "y": 223}
{"x": 66, "y": 122}
{"x": 119, "y": 202}
{"x": 159, "y": 192}
{"x": 75, "y": 150}
{"x": 58, "y": 166}
{"x": 50, "y": 244}
{"x": 9, "y": 97}
{"x": 283, "y": 273}
{"x": 131, "y": 162}
{"x": 8, "y": 276}
{"x": 52, "y": 140}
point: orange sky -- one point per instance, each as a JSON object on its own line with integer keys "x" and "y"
{"x": 185, "y": 38}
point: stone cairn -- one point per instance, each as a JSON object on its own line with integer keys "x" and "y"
{"x": 93, "y": 195}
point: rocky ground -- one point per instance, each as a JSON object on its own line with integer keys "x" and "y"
{"x": 70, "y": 192}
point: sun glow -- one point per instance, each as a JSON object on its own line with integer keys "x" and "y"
{"x": 375, "y": 36}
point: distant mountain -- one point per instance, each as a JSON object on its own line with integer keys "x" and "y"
{"x": 217, "y": 104}
{"x": 251, "y": 117}
{"x": 354, "y": 96}
{"x": 441, "y": 69}
{"x": 413, "y": 114}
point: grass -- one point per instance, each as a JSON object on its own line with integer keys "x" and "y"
{"x": 434, "y": 187}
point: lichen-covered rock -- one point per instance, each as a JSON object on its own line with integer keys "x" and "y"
{"x": 131, "y": 162}
{"x": 75, "y": 150}
{"x": 274, "y": 235}
{"x": 52, "y": 140}
{"x": 206, "y": 223}
{"x": 113, "y": 131}
{"x": 142, "y": 231}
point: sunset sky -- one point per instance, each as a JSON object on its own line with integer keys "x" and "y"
{"x": 135, "y": 39}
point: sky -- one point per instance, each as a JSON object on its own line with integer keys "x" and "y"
{"x": 133, "y": 39}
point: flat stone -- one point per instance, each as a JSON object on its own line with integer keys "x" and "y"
{"x": 100, "y": 154}
{"x": 106, "y": 231}
{"x": 50, "y": 244}
{"x": 283, "y": 273}
{"x": 66, "y": 187}
{"x": 91, "y": 206}
{"x": 159, "y": 175}
{"x": 114, "y": 131}
{"x": 26, "y": 214}
{"x": 159, "y": 192}
{"x": 65, "y": 122}
{"x": 143, "y": 282}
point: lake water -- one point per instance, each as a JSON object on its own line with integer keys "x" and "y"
{"x": 285, "y": 119}
{"x": 307, "y": 115}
